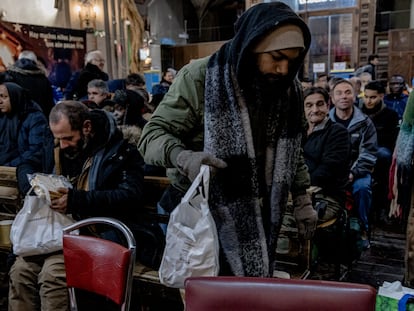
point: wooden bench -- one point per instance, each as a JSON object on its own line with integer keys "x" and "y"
{"x": 10, "y": 198}
{"x": 11, "y": 202}
{"x": 154, "y": 187}
{"x": 147, "y": 286}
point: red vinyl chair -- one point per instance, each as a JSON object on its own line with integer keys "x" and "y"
{"x": 99, "y": 266}
{"x": 266, "y": 294}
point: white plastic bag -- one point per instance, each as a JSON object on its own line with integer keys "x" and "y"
{"x": 192, "y": 247}
{"x": 37, "y": 229}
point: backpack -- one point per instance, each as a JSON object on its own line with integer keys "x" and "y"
{"x": 150, "y": 241}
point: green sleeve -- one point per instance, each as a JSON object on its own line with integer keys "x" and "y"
{"x": 177, "y": 123}
{"x": 301, "y": 181}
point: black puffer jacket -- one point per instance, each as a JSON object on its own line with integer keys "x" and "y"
{"x": 87, "y": 74}
{"x": 29, "y": 76}
{"x": 115, "y": 179}
{"x": 327, "y": 155}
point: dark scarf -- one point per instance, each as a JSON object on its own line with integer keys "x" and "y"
{"x": 248, "y": 198}
{"x": 373, "y": 112}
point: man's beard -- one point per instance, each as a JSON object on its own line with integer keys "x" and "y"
{"x": 74, "y": 152}
{"x": 273, "y": 81}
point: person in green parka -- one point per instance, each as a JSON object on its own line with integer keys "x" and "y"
{"x": 240, "y": 111}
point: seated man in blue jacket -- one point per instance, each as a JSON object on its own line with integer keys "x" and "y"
{"x": 363, "y": 149}
{"x": 107, "y": 177}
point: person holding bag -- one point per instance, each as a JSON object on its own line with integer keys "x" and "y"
{"x": 106, "y": 173}
{"x": 240, "y": 111}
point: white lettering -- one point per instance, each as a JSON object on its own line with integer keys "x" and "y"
{"x": 303, "y": 2}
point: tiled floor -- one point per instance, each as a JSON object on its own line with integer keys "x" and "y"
{"x": 383, "y": 261}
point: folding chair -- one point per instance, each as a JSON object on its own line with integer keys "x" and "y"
{"x": 99, "y": 266}
{"x": 266, "y": 294}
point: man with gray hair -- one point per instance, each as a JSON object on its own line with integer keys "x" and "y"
{"x": 98, "y": 93}
{"x": 77, "y": 87}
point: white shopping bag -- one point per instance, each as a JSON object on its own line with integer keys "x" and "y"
{"x": 192, "y": 247}
{"x": 37, "y": 229}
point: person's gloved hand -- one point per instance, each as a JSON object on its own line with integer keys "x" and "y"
{"x": 305, "y": 215}
{"x": 189, "y": 162}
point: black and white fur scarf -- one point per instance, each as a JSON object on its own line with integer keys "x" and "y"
{"x": 235, "y": 200}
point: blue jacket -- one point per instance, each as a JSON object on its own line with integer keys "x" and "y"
{"x": 363, "y": 142}
{"x": 25, "y": 138}
{"x": 396, "y": 103}
{"x": 35, "y": 146}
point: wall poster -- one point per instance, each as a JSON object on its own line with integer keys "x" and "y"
{"x": 60, "y": 50}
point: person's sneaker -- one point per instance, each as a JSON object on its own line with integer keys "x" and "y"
{"x": 365, "y": 244}
{"x": 365, "y": 240}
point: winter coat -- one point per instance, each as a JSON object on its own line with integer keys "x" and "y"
{"x": 327, "y": 155}
{"x": 363, "y": 142}
{"x": 386, "y": 125}
{"x": 396, "y": 102}
{"x": 403, "y": 181}
{"x": 87, "y": 74}
{"x": 29, "y": 76}
{"x": 207, "y": 108}
{"x": 115, "y": 177}
{"x": 26, "y": 140}
{"x": 161, "y": 88}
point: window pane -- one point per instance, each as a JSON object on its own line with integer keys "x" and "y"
{"x": 314, "y": 5}
{"x": 331, "y": 41}
{"x": 341, "y": 42}
{"x": 319, "y": 50}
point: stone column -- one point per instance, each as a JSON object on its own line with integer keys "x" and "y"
{"x": 412, "y": 14}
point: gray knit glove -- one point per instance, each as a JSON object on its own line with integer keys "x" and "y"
{"x": 189, "y": 162}
{"x": 305, "y": 215}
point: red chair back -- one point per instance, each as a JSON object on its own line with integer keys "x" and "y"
{"x": 99, "y": 266}
{"x": 265, "y": 294}
{"x": 96, "y": 265}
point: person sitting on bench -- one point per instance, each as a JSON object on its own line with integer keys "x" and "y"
{"x": 326, "y": 152}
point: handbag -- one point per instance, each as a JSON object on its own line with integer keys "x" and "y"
{"x": 37, "y": 229}
{"x": 192, "y": 247}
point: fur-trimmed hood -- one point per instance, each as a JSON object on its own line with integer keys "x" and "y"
{"x": 26, "y": 66}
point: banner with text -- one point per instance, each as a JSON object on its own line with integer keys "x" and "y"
{"x": 60, "y": 50}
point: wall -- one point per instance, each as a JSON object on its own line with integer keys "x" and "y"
{"x": 166, "y": 21}
{"x": 44, "y": 13}
{"x": 35, "y": 12}
{"x": 182, "y": 55}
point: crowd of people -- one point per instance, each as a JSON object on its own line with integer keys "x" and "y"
{"x": 243, "y": 112}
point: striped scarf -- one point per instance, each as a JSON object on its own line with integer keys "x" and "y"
{"x": 235, "y": 198}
